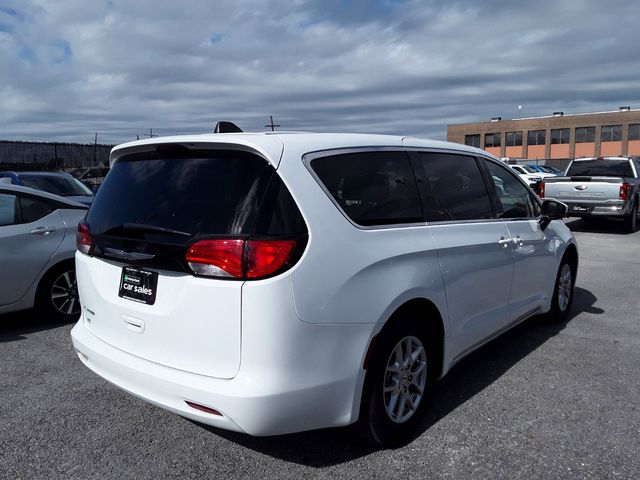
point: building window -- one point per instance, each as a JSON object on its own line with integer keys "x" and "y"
{"x": 585, "y": 134}
{"x": 536, "y": 137}
{"x": 514, "y": 139}
{"x": 491, "y": 140}
{"x": 560, "y": 135}
{"x": 634, "y": 131}
{"x": 611, "y": 133}
{"x": 472, "y": 140}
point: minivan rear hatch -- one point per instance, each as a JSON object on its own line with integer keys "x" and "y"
{"x": 138, "y": 292}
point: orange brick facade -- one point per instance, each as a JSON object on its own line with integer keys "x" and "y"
{"x": 625, "y": 122}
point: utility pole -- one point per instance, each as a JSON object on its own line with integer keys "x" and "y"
{"x": 150, "y": 134}
{"x": 95, "y": 148}
{"x": 271, "y": 124}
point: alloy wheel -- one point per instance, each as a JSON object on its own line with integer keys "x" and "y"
{"x": 64, "y": 294}
{"x": 405, "y": 379}
{"x": 564, "y": 287}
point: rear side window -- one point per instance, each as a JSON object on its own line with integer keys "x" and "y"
{"x": 60, "y": 185}
{"x": 602, "y": 168}
{"x": 34, "y": 209}
{"x": 198, "y": 192}
{"x": 452, "y": 187}
{"x": 372, "y": 188}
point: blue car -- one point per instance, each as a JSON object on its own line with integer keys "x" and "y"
{"x": 544, "y": 169}
{"x": 62, "y": 184}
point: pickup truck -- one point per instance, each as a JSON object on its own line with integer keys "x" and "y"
{"x": 598, "y": 187}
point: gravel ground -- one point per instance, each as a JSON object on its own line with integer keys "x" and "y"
{"x": 541, "y": 401}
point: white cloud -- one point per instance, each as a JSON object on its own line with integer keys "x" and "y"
{"x": 68, "y": 69}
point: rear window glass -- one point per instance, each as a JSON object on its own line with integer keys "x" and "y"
{"x": 60, "y": 185}
{"x": 603, "y": 168}
{"x": 372, "y": 188}
{"x": 199, "y": 192}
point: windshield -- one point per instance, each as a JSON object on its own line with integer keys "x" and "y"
{"x": 601, "y": 168}
{"x": 60, "y": 185}
{"x": 194, "y": 193}
{"x": 530, "y": 169}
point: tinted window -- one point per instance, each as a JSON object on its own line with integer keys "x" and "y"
{"x": 279, "y": 214}
{"x": 585, "y": 135}
{"x": 472, "y": 140}
{"x": 200, "y": 192}
{"x": 606, "y": 168}
{"x": 634, "y": 131}
{"x": 60, "y": 185}
{"x": 560, "y": 135}
{"x": 34, "y": 209}
{"x": 611, "y": 133}
{"x": 515, "y": 199}
{"x": 536, "y": 137}
{"x": 452, "y": 187}
{"x": 373, "y": 188}
{"x": 514, "y": 139}
{"x": 9, "y": 213}
{"x": 491, "y": 140}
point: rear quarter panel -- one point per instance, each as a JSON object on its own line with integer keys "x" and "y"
{"x": 355, "y": 275}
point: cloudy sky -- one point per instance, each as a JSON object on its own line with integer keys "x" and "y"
{"x": 71, "y": 68}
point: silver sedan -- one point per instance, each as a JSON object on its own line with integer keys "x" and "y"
{"x": 37, "y": 247}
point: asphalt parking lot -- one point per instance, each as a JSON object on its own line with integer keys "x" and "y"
{"x": 541, "y": 401}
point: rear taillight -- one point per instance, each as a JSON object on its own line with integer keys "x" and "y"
{"x": 83, "y": 237}
{"x": 216, "y": 258}
{"x": 240, "y": 259}
{"x": 625, "y": 188}
{"x": 541, "y": 189}
{"x": 265, "y": 257}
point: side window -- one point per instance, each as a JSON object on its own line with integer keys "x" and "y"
{"x": 452, "y": 187}
{"x": 9, "y": 213}
{"x": 636, "y": 163}
{"x": 516, "y": 200}
{"x": 33, "y": 209}
{"x": 372, "y": 188}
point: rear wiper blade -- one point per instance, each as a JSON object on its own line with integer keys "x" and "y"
{"x": 143, "y": 227}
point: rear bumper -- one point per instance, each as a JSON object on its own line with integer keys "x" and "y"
{"x": 256, "y": 401}
{"x": 595, "y": 209}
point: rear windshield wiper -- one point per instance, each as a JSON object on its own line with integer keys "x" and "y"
{"x": 142, "y": 227}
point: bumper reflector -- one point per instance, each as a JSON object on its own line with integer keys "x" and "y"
{"x": 202, "y": 408}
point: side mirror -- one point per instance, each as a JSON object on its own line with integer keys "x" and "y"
{"x": 552, "y": 210}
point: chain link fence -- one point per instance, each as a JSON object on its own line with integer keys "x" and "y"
{"x": 87, "y": 162}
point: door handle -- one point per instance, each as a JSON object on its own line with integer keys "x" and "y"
{"x": 505, "y": 242}
{"x": 42, "y": 230}
{"x": 517, "y": 241}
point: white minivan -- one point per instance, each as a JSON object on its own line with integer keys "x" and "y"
{"x": 271, "y": 283}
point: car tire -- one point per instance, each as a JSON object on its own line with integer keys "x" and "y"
{"x": 394, "y": 398}
{"x": 57, "y": 298}
{"x": 563, "y": 292}
{"x": 631, "y": 221}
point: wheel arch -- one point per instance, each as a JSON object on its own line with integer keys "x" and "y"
{"x": 52, "y": 269}
{"x": 429, "y": 317}
{"x": 571, "y": 255}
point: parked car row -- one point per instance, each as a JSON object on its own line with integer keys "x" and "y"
{"x": 244, "y": 281}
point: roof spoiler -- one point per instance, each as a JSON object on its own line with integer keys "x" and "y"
{"x": 227, "y": 127}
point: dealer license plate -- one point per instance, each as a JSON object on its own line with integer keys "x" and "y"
{"x": 580, "y": 208}
{"x": 138, "y": 285}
